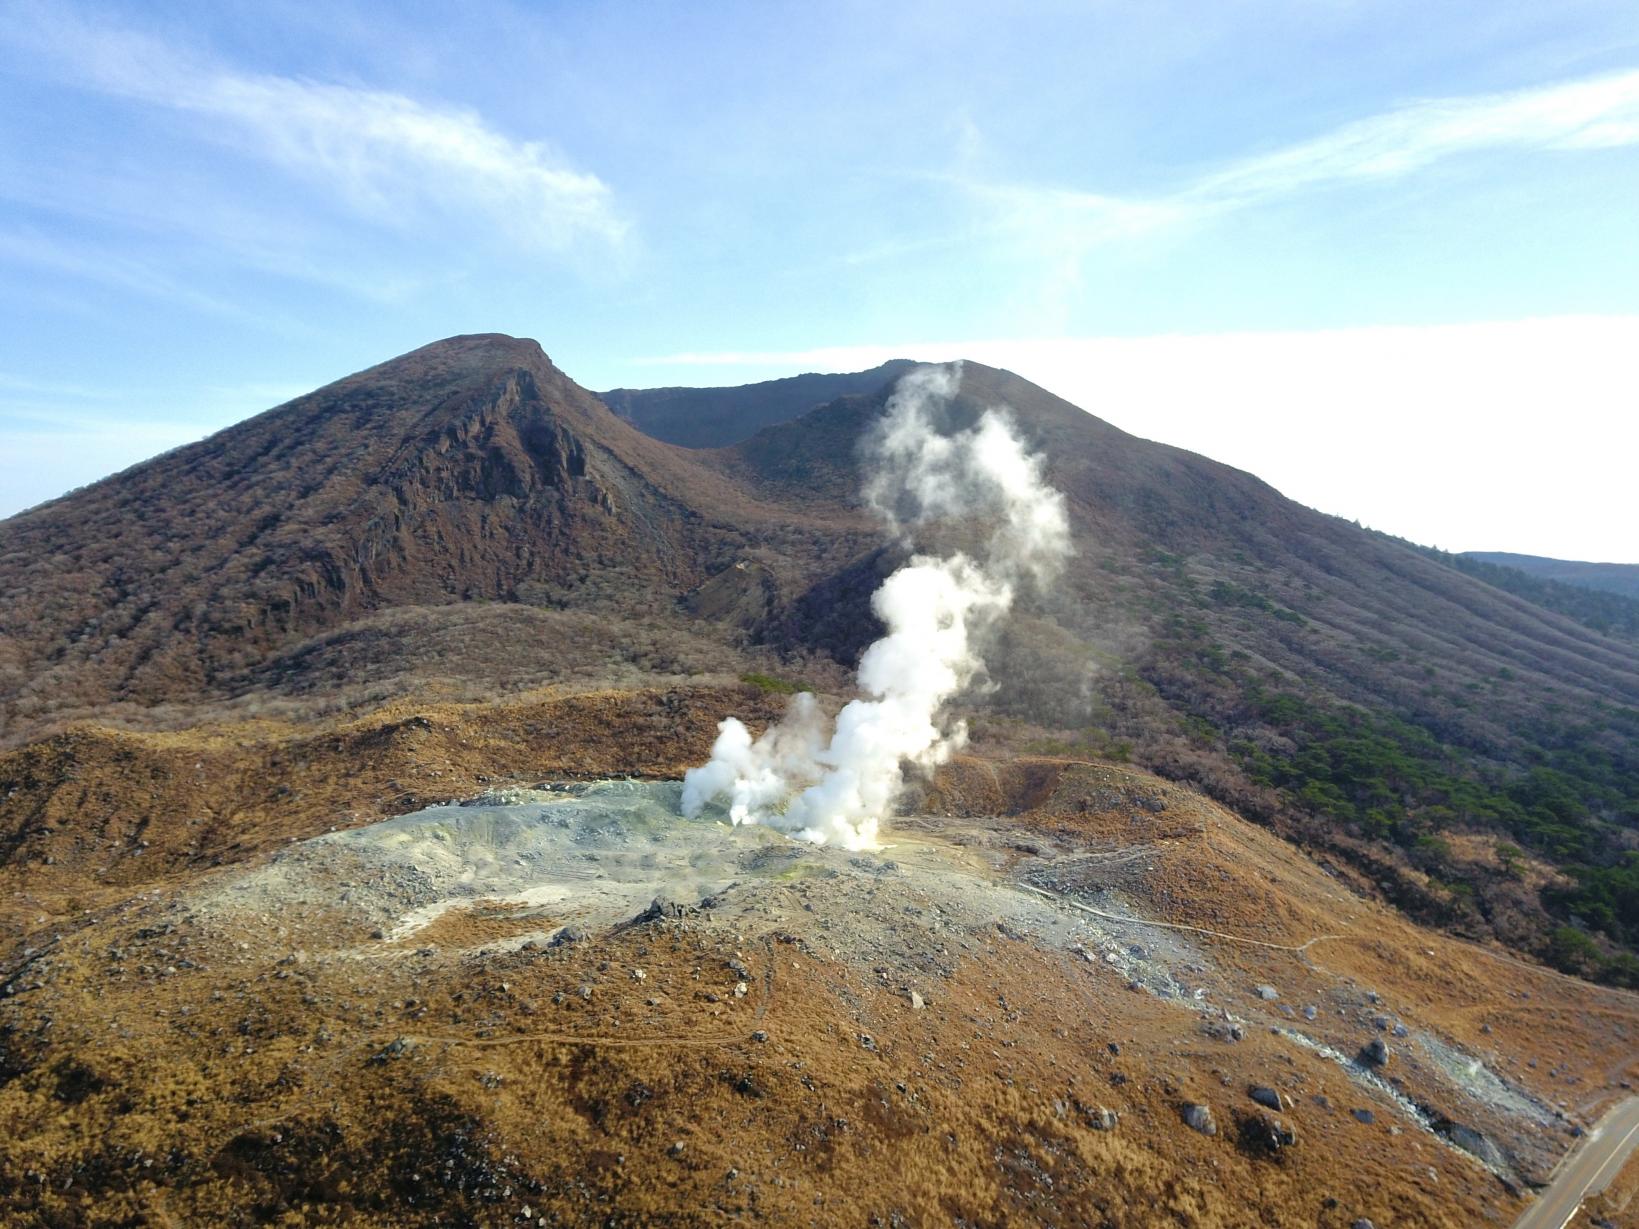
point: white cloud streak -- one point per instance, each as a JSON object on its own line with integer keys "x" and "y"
{"x": 386, "y": 157}
{"x": 1056, "y": 228}
{"x": 1597, "y": 113}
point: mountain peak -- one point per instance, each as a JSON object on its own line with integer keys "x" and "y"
{"x": 465, "y": 353}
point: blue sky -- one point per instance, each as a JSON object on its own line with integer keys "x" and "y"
{"x": 1384, "y": 255}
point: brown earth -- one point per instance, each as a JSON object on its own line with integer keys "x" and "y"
{"x": 165, "y": 1063}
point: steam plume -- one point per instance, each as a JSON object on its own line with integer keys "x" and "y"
{"x": 839, "y": 787}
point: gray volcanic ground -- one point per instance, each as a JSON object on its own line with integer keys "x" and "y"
{"x": 560, "y": 864}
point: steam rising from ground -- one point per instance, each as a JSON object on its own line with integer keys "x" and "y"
{"x": 838, "y": 784}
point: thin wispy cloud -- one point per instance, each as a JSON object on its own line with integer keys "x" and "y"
{"x": 1058, "y": 227}
{"x": 1597, "y": 113}
{"x": 394, "y": 161}
{"x": 388, "y": 156}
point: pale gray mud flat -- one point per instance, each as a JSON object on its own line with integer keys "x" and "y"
{"x": 562, "y": 863}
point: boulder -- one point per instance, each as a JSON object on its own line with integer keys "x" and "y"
{"x": 1473, "y": 1143}
{"x": 1199, "y": 1118}
{"x": 568, "y": 935}
{"x": 1262, "y": 1135}
{"x": 1100, "y": 1118}
{"x": 1266, "y": 1096}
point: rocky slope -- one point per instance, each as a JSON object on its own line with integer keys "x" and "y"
{"x": 465, "y": 520}
{"x": 1013, "y": 1015}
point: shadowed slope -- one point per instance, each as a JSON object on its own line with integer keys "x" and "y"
{"x": 717, "y": 417}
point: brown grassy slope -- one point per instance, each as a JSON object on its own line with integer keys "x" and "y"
{"x": 90, "y": 814}
{"x": 159, "y": 1068}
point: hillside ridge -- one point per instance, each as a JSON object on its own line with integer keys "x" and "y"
{"x": 466, "y": 521}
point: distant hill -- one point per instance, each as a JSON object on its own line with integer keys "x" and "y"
{"x": 465, "y": 520}
{"x": 1613, "y": 613}
{"x": 717, "y": 417}
{"x": 1620, "y": 578}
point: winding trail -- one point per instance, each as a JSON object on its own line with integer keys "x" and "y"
{"x": 1129, "y": 920}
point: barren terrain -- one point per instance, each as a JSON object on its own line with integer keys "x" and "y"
{"x": 479, "y": 1014}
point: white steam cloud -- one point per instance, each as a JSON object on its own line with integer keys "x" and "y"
{"x": 838, "y": 785}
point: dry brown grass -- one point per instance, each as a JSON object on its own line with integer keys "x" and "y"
{"x": 155, "y": 1071}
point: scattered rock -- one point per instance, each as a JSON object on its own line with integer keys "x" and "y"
{"x": 1309, "y": 1013}
{"x": 1365, "y": 1116}
{"x": 1199, "y": 1118}
{"x": 568, "y": 935}
{"x": 1472, "y": 1142}
{"x": 1264, "y": 1095}
{"x": 759, "y": 1035}
{"x": 867, "y": 1041}
{"x": 1261, "y": 1134}
{"x": 1268, "y": 993}
{"x": 740, "y": 989}
{"x": 1100, "y": 1118}
{"x": 676, "y": 1150}
{"x": 1376, "y": 1054}
{"x": 396, "y": 1048}
{"x": 1362, "y": 1223}
{"x": 661, "y": 909}
{"x": 917, "y": 1003}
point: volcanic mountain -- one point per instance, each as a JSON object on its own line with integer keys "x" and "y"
{"x": 345, "y": 883}
{"x": 465, "y": 519}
